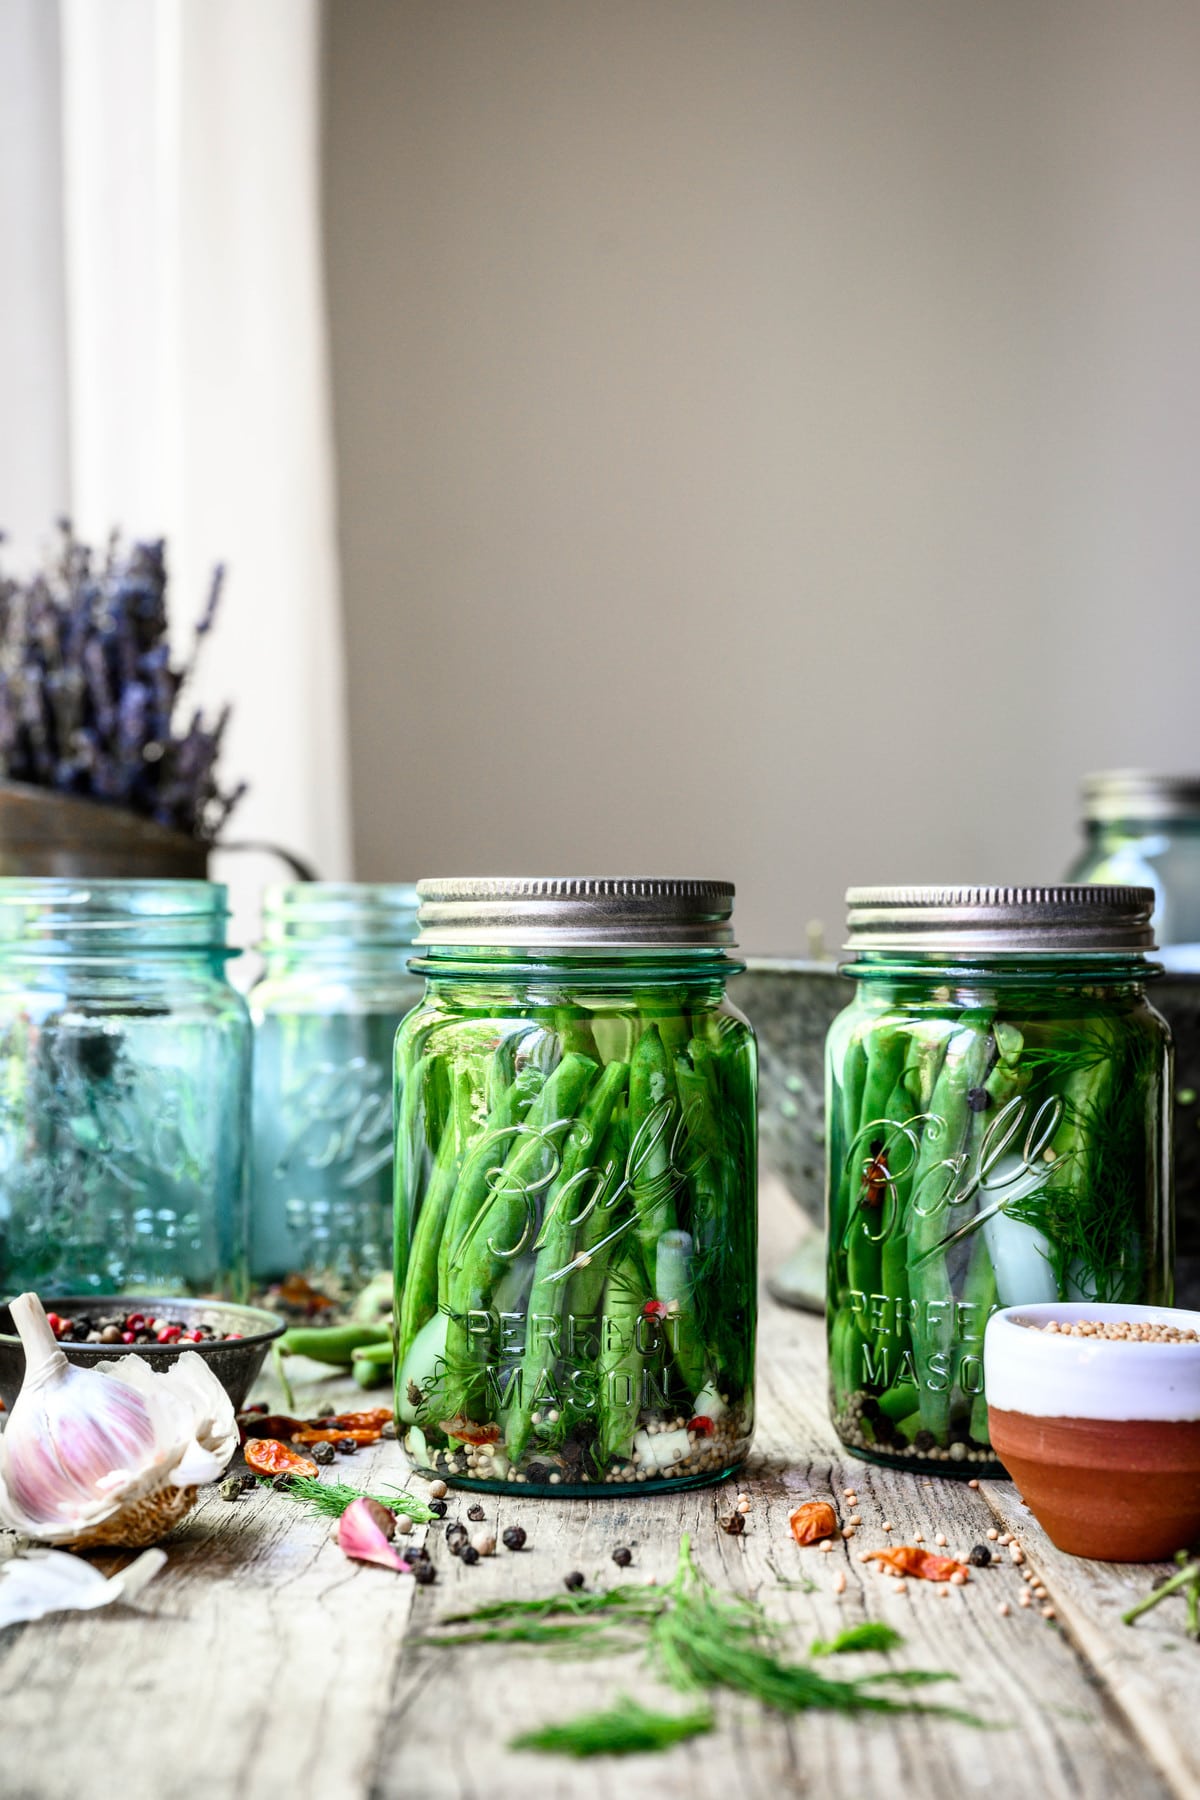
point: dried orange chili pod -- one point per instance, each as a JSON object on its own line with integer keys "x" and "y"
{"x": 335, "y": 1437}
{"x": 373, "y": 1420}
{"x": 812, "y": 1521}
{"x": 266, "y": 1456}
{"x": 910, "y": 1559}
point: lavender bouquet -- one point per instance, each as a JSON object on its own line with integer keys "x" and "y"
{"x": 89, "y": 694}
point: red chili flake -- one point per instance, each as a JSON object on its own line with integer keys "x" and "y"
{"x": 910, "y": 1559}
{"x": 812, "y": 1521}
{"x": 655, "y": 1309}
{"x": 309, "y": 1436}
{"x": 703, "y": 1424}
{"x": 468, "y": 1431}
{"x": 266, "y": 1457}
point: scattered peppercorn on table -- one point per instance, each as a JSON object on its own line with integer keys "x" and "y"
{"x": 262, "y": 1662}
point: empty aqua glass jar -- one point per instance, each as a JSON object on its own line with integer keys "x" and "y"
{"x": 576, "y": 1188}
{"x": 1144, "y": 830}
{"x": 124, "y": 1086}
{"x": 335, "y": 986}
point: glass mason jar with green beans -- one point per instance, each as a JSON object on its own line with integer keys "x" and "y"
{"x": 996, "y": 1133}
{"x": 576, "y": 1195}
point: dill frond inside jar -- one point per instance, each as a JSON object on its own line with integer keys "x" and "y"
{"x": 996, "y": 1136}
{"x": 575, "y": 1187}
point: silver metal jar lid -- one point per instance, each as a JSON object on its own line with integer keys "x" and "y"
{"x": 579, "y": 911}
{"x": 1120, "y": 794}
{"x": 966, "y": 920}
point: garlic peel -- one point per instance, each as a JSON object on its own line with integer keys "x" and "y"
{"x": 112, "y": 1454}
{"x": 361, "y": 1536}
{"x": 37, "y": 1582}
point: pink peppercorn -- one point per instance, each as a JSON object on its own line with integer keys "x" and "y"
{"x": 127, "y": 1337}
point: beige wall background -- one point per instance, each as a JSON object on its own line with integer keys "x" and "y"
{"x": 767, "y": 433}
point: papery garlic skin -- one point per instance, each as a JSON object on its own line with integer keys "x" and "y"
{"x": 110, "y": 1455}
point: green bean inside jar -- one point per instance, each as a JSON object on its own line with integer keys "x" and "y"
{"x": 575, "y": 1187}
{"x": 996, "y": 1136}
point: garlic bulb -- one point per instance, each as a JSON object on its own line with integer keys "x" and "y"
{"x": 108, "y": 1455}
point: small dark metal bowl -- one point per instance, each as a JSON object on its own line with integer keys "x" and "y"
{"x": 236, "y": 1365}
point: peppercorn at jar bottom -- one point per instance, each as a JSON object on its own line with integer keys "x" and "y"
{"x": 576, "y": 1190}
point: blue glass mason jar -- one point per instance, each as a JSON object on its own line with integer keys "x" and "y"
{"x": 335, "y": 986}
{"x": 124, "y": 1089}
{"x": 576, "y": 1188}
{"x": 997, "y": 1134}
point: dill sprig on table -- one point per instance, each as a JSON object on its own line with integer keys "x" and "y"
{"x": 872, "y": 1634}
{"x": 331, "y": 1498}
{"x": 624, "y": 1729}
{"x": 697, "y": 1638}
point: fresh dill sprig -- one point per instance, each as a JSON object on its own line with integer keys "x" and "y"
{"x": 331, "y": 1498}
{"x": 625, "y": 1729}
{"x": 870, "y": 1635}
{"x": 697, "y": 1639}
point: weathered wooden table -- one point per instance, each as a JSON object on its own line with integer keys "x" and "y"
{"x": 261, "y": 1663}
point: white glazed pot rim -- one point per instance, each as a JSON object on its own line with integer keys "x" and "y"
{"x": 1051, "y": 1375}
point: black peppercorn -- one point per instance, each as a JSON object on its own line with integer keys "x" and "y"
{"x": 476, "y": 1513}
{"x": 321, "y": 1453}
{"x": 924, "y": 1440}
{"x": 622, "y": 1557}
{"x": 978, "y": 1099}
{"x": 282, "y": 1482}
{"x": 456, "y": 1538}
{"x": 574, "y": 1580}
{"x": 424, "y": 1572}
{"x": 980, "y": 1556}
{"x": 347, "y": 1446}
{"x": 438, "y": 1508}
{"x": 468, "y": 1554}
{"x": 514, "y": 1537}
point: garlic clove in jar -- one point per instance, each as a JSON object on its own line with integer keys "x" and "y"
{"x": 110, "y": 1455}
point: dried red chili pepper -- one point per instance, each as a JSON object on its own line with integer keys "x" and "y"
{"x": 335, "y": 1437}
{"x": 875, "y": 1175}
{"x": 468, "y": 1431}
{"x": 910, "y": 1559}
{"x": 812, "y": 1521}
{"x": 655, "y": 1309}
{"x": 703, "y": 1424}
{"x": 266, "y": 1456}
{"x": 269, "y": 1425}
{"x": 373, "y": 1420}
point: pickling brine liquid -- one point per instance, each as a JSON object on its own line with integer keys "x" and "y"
{"x": 989, "y": 1145}
{"x": 576, "y": 1234}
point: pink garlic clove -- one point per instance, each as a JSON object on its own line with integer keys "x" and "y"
{"x": 361, "y": 1535}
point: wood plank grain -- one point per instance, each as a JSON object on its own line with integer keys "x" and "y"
{"x": 1151, "y": 1671}
{"x": 263, "y": 1662}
